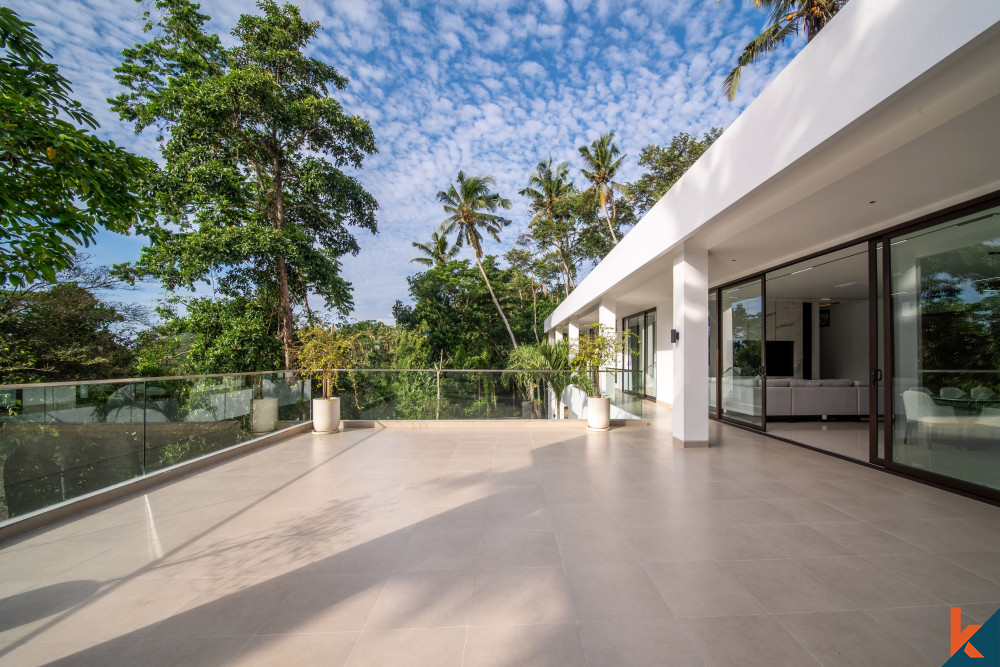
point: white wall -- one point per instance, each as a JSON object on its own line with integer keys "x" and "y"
{"x": 664, "y": 351}
{"x": 843, "y": 345}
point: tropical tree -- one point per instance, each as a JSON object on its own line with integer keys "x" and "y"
{"x": 601, "y": 168}
{"x": 548, "y": 190}
{"x": 437, "y": 252}
{"x": 472, "y": 210}
{"x": 787, "y": 17}
{"x": 253, "y": 145}
{"x": 664, "y": 165}
{"x": 58, "y": 183}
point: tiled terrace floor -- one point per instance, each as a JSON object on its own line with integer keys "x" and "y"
{"x": 508, "y": 546}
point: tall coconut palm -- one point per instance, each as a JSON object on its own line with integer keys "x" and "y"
{"x": 602, "y": 168}
{"x": 548, "y": 189}
{"x": 788, "y": 17}
{"x": 437, "y": 252}
{"x": 471, "y": 208}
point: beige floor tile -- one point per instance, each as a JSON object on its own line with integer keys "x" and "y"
{"x": 583, "y": 548}
{"x": 641, "y": 642}
{"x": 866, "y": 584}
{"x": 785, "y": 586}
{"x": 520, "y": 596}
{"x": 926, "y": 629}
{"x": 441, "y": 550}
{"x": 799, "y": 540}
{"x": 234, "y": 609}
{"x": 615, "y": 592}
{"x": 747, "y": 641}
{"x": 424, "y": 600}
{"x": 535, "y": 645}
{"x": 848, "y": 638}
{"x": 427, "y": 647}
{"x": 941, "y": 578}
{"x": 330, "y": 649}
{"x": 808, "y": 510}
{"x": 866, "y": 539}
{"x": 733, "y": 542}
{"x": 331, "y": 603}
{"x": 702, "y": 589}
{"x": 521, "y": 548}
{"x": 984, "y": 563}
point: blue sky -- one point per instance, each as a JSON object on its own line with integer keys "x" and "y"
{"x": 486, "y": 86}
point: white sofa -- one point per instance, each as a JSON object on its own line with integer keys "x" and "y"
{"x": 790, "y": 397}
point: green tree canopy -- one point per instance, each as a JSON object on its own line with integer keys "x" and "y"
{"x": 602, "y": 162}
{"x": 65, "y": 331}
{"x": 786, "y": 18}
{"x": 255, "y": 147}
{"x": 664, "y": 165}
{"x": 471, "y": 209}
{"x": 59, "y": 184}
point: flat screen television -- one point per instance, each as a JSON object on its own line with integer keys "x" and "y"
{"x": 780, "y": 358}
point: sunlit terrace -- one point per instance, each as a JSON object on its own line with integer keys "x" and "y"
{"x": 498, "y": 544}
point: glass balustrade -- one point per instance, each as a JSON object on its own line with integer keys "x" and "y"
{"x": 62, "y": 440}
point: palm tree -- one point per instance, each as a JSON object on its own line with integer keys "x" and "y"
{"x": 788, "y": 17}
{"x": 548, "y": 189}
{"x": 600, "y": 158}
{"x": 471, "y": 209}
{"x": 437, "y": 251}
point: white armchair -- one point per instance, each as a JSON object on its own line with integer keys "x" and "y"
{"x": 924, "y": 412}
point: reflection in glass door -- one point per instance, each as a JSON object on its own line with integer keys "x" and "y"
{"x": 945, "y": 307}
{"x": 639, "y": 360}
{"x": 713, "y": 352}
{"x": 742, "y": 352}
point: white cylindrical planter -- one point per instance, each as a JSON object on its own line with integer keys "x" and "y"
{"x": 326, "y": 415}
{"x": 598, "y": 413}
{"x": 265, "y": 415}
{"x": 526, "y": 410}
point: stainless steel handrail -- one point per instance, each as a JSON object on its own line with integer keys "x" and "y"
{"x": 73, "y": 383}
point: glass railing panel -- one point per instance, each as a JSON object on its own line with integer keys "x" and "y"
{"x": 625, "y": 404}
{"x": 450, "y": 394}
{"x": 188, "y": 418}
{"x": 59, "y": 442}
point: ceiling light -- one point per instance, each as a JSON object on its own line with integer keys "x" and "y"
{"x": 801, "y": 270}
{"x": 847, "y": 284}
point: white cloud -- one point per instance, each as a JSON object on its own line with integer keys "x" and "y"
{"x": 489, "y": 86}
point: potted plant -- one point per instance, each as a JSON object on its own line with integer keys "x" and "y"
{"x": 325, "y": 352}
{"x": 592, "y": 352}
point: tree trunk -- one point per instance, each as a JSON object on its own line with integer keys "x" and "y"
{"x": 284, "y": 297}
{"x": 495, "y": 302}
{"x": 604, "y": 205}
{"x": 534, "y": 309}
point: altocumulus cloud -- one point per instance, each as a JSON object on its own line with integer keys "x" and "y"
{"x": 487, "y": 86}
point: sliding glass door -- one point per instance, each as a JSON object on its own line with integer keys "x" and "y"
{"x": 639, "y": 362}
{"x": 944, "y": 310}
{"x": 742, "y": 347}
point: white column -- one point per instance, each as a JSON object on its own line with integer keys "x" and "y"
{"x": 607, "y": 317}
{"x": 690, "y": 358}
{"x": 574, "y": 334}
{"x": 664, "y": 349}
{"x": 552, "y": 336}
{"x": 559, "y": 335}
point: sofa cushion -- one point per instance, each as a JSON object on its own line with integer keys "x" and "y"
{"x": 805, "y": 383}
{"x": 777, "y": 382}
{"x": 838, "y": 383}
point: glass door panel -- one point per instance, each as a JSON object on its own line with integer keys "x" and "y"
{"x": 649, "y": 352}
{"x": 945, "y": 307}
{"x": 742, "y": 353}
{"x": 713, "y": 353}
